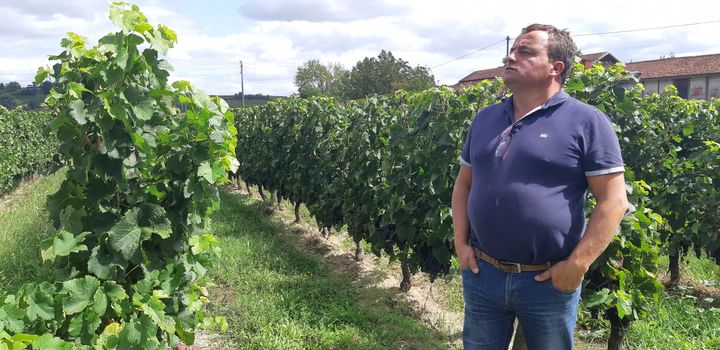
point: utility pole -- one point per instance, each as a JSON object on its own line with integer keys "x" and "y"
{"x": 242, "y": 84}
{"x": 507, "y": 46}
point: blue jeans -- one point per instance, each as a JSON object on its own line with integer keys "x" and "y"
{"x": 494, "y": 298}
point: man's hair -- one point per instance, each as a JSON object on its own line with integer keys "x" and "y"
{"x": 561, "y": 46}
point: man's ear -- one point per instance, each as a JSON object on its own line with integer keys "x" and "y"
{"x": 557, "y": 68}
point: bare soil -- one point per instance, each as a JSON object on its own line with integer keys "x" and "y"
{"x": 337, "y": 252}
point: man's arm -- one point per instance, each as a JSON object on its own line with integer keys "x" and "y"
{"x": 461, "y": 191}
{"x": 609, "y": 190}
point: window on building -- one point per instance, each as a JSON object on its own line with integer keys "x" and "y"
{"x": 682, "y": 85}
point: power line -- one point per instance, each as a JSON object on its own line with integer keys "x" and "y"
{"x": 468, "y": 54}
{"x": 589, "y": 34}
{"x": 644, "y": 29}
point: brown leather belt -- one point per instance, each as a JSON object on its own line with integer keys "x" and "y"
{"x": 508, "y": 266}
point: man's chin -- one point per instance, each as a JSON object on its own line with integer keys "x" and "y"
{"x": 509, "y": 80}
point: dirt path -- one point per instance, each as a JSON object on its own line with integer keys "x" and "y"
{"x": 337, "y": 253}
{"x": 426, "y": 300}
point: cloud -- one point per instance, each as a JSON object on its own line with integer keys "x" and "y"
{"x": 18, "y": 24}
{"x": 44, "y": 9}
{"x": 274, "y": 37}
{"x": 317, "y": 10}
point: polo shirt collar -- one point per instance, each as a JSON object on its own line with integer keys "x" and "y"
{"x": 559, "y": 97}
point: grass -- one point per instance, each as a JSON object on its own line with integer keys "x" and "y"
{"x": 23, "y": 224}
{"x": 692, "y": 268}
{"x": 277, "y": 296}
{"x": 677, "y": 323}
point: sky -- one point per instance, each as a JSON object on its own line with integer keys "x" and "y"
{"x": 274, "y": 37}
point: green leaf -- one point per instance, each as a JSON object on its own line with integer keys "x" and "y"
{"x": 12, "y": 316}
{"x": 126, "y": 19}
{"x": 139, "y": 333}
{"x": 124, "y": 237}
{"x": 218, "y": 170}
{"x": 71, "y": 219}
{"x": 42, "y": 74}
{"x": 105, "y": 264}
{"x": 623, "y": 305}
{"x": 145, "y": 109}
{"x": 75, "y": 325}
{"x": 40, "y": 304}
{"x": 108, "y": 339}
{"x": 77, "y": 111}
{"x": 114, "y": 291}
{"x": 185, "y": 336}
{"x": 154, "y": 217}
{"x": 21, "y": 340}
{"x": 155, "y": 309}
{"x": 121, "y": 57}
{"x": 117, "y": 110}
{"x": 79, "y": 293}
{"x": 205, "y": 171}
{"x": 167, "y": 33}
{"x": 100, "y": 302}
{"x": 182, "y": 85}
{"x": 65, "y": 243}
{"x": 48, "y": 342}
{"x": 47, "y": 250}
{"x": 159, "y": 42}
{"x": 688, "y": 130}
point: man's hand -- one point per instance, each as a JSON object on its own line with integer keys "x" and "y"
{"x": 609, "y": 190}
{"x": 565, "y": 275}
{"x": 466, "y": 257}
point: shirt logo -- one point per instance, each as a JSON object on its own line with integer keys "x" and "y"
{"x": 543, "y": 135}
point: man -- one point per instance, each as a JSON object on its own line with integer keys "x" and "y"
{"x": 518, "y": 201}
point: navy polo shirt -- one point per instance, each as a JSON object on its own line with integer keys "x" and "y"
{"x": 529, "y": 207}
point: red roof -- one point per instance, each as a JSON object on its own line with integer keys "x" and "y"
{"x": 591, "y": 58}
{"x": 483, "y": 74}
{"x": 676, "y": 66}
{"x": 492, "y": 73}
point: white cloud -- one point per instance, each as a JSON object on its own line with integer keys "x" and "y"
{"x": 86, "y": 9}
{"x": 274, "y": 37}
{"x": 316, "y": 10}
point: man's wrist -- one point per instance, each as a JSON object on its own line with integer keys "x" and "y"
{"x": 460, "y": 245}
{"x": 579, "y": 262}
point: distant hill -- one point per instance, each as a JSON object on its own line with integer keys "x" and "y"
{"x": 31, "y": 97}
{"x": 235, "y": 101}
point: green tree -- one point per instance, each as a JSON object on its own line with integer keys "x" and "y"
{"x": 13, "y": 86}
{"x": 339, "y": 76}
{"x": 385, "y": 74}
{"x": 316, "y": 79}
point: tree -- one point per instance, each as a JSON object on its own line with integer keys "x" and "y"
{"x": 338, "y": 79}
{"x": 385, "y": 74}
{"x": 13, "y": 86}
{"x": 45, "y": 87}
{"x": 8, "y": 101}
{"x": 316, "y": 79}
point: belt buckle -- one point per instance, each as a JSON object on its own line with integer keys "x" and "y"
{"x": 506, "y": 263}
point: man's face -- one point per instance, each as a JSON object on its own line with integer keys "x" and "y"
{"x": 528, "y": 64}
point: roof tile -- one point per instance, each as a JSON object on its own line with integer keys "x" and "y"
{"x": 676, "y": 66}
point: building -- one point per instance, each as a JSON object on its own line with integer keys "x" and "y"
{"x": 695, "y": 77}
{"x": 492, "y": 73}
